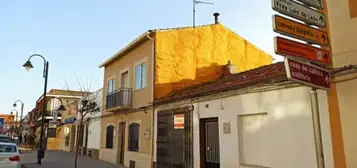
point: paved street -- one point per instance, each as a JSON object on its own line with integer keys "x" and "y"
{"x": 58, "y": 159}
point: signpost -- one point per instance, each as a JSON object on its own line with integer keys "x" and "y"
{"x": 300, "y": 71}
{"x": 307, "y": 74}
{"x": 298, "y": 11}
{"x": 291, "y": 48}
{"x": 300, "y": 31}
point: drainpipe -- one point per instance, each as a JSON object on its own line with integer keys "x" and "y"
{"x": 152, "y": 95}
{"x": 317, "y": 128}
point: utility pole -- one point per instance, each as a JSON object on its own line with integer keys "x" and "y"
{"x": 194, "y": 9}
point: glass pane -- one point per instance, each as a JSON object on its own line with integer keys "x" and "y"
{"x": 143, "y": 74}
{"x": 110, "y": 86}
{"x": 138, "y": 77}
{"x": 7, "y": 149}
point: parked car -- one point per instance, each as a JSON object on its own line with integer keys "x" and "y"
{"x": 9, "y": 155}
{"x": 5, "y": 138}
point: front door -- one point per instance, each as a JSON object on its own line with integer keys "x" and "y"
{"x": 121, "y": 143}
{"x": 209, "y": 143}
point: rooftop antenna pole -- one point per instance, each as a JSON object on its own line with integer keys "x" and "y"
{"x": 194, "y": 9}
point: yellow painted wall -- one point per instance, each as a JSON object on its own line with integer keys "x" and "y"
{"x": 179, "y": 64}
{"x": 343, "y": 39}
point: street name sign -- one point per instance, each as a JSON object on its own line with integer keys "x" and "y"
{"x": 300, "y": 31}
{"x": 319, "y": 4}
{"x": 307, "y": 74}
{"x": 299, "y": 11}
{"x": 291, "y": 48}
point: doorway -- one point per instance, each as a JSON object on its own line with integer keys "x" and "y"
{"x": 124, "y": 80}
{"x": 209, "y": 143}
{"x": 121, "y": 143}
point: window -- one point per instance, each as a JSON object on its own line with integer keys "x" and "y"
{"x": 133, "y": 140}
{"x": 67, "y": 136}
{"x": 353, "y": 8}
{"x": 253, "y": 134}
{"x": 140, "y": 76}
{"x": 111, "y": 86}
{"x": 124, "y": 80}
{"x": 5, "y": 148}
{"x": 110, "y": 137}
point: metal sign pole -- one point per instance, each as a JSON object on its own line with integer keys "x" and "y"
{"x": 317, "y": 128}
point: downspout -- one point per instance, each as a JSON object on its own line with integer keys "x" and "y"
{"x": 152, "y": 96}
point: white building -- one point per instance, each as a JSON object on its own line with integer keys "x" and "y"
{"x": 252, "y": 119}
{"x": 92, "y": 128}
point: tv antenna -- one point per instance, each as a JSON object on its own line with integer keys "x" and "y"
{"x": 194, "y": 8}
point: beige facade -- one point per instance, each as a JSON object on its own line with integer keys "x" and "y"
{"x": 142, "y": 157}
{"x": 343, "y": 34}
{"x": 142, "y": 54}
{"x": 122, "y": 72}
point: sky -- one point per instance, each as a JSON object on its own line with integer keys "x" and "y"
{"x": 76, "y": 36}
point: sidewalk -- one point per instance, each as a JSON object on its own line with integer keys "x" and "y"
{"x": 59, "y": 159}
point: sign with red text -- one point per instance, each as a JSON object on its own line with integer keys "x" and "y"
{"x": 307, "y": 74}
{"x": 295, "y": 49}
{"x": 179, "y": 121}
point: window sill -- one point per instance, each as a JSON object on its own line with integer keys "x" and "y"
{"x": 133, "y": 150}
{"x": 139, "y": 89}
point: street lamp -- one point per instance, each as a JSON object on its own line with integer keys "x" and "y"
{"x": 28, "y": 65}
{"x": 15, "y": 115}
{"x": 61, "y": 107}
{"x": 22, "y": 110}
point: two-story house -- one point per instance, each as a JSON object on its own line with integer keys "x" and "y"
{"x": 156, "y": 64}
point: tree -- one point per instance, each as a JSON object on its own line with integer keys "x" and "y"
{"x": 89, "y": 103}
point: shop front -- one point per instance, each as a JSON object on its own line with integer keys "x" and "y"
{"x": 68, "y": 130}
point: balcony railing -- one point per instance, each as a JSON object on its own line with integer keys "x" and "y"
{"x": 120, "y": 98}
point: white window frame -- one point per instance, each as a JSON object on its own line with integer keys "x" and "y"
{"x": 240, "y": 139}
{"x": 109, "y": 79}
{"x": 142, "y": 61}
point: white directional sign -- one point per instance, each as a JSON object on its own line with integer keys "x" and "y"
{"x": 319, "y": 4}
{"x": 298, "y": 11}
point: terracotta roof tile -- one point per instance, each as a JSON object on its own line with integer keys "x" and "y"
{"x": 260, "y": 75}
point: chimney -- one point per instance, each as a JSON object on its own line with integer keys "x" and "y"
{"x": 216, "y": 18}
{"x": 229, "y": 69}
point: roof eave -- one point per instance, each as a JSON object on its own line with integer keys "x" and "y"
{"x": 126, "y": 48}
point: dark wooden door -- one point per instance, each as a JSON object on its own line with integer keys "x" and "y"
{"x": 209, "y": 143}
{"x": 121, "y": 142}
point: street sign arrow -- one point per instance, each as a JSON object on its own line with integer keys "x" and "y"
{"x": 307, "y": 74}
{"x": 314, "y": 3}
{"x": 298, "y": 11}
{"x": 295, "y": 49}
{"x": 300, "y": 31}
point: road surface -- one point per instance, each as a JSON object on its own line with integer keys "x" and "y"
{"x": 59, "y": 159}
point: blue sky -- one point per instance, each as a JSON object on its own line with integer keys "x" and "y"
{"x": 76, "y": 36}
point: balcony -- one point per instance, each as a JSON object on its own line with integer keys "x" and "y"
{"x": 119, "y": 100}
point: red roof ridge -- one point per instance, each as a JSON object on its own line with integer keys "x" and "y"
{"x": 251, "y": 77}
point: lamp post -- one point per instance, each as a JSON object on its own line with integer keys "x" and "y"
{"x": 28, "y": 65}
{"x": 22, "y": 110}
{"x": 14, "y": 122}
